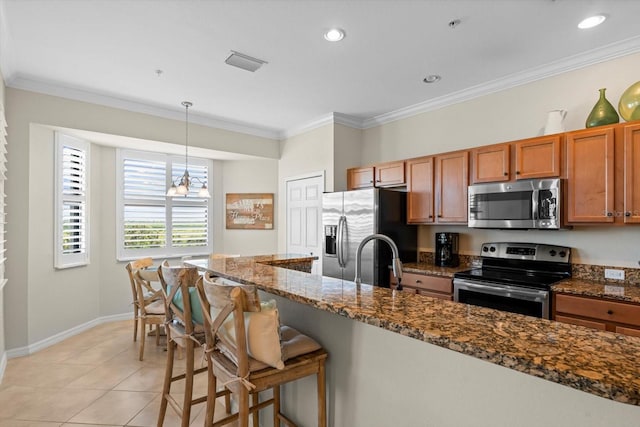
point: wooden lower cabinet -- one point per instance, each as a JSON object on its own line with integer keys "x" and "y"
{"x": 431, "y": 286}
{"x": 597, "y": 313}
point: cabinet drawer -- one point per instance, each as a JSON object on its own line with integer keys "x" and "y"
{"x": 599, "y": 309}
{"x": 628, "y": 331}
{"x": 446, "y": 297}
{"x": 430, "y": 283}
{"x": 582, "y": 322}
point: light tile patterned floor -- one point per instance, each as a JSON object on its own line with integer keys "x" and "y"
{"x": 94, "y": 378}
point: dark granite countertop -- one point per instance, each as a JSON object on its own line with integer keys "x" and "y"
{"x": 431, "y": 269}
{"x": 601, "y": 363}
{"x": 618, "y": 290}
{"x": 621, "y": 291}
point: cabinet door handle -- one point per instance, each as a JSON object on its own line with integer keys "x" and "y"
{"x": 609, "y": 312}
{"x": 505, "y": 174}
{"x": 609, "y": 213}
{"x": 627, "y": 214}
{"x": 517, "y": 172}
{"x": 418, "y": 281}
{"x": 439, "y": 216}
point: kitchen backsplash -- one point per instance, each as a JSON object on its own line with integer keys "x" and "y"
{"x": 578, "y": 271}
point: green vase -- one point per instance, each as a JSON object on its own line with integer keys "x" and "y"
{"x": 602, "y": 113}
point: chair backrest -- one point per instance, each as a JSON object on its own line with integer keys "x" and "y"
{"x": 142, "y": 287}
{"x": 222, "y": 303}
{"x": 178, "y": 284}
{"x": 132, "y": 267}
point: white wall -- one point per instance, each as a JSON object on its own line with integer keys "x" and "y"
{"x": 41, "y": 301}
{"x": 509, "y": 115}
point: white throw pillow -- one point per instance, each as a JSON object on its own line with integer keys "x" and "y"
{"x": 262, "y": 330}
{"x": 263, "y": 335}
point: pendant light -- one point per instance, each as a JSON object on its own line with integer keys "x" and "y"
{"x": 182, "y": 189}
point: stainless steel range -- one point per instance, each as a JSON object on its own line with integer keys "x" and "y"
{"x": 515, "y": 277}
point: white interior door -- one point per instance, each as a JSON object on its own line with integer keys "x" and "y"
{"x": 304, "y": 217}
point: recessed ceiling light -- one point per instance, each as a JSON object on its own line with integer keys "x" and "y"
{"x": 592, "y": 21}
{"x": 334, "y": 35}
{"x": 431, "y": 78}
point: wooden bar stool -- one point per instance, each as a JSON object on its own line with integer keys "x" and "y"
{"x": 228, "y": 359}
{"x": 149, "y": 293}
{"x": 151, "y": 310}
{"x": 184, "y": 329}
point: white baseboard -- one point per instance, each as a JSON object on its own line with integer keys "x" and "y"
{"x": 3, "y": 365}
{"x": 47, "y": 342}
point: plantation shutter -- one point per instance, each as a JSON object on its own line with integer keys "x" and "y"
{"x": 152, "y": 224}
{"x": 71, "y": 202}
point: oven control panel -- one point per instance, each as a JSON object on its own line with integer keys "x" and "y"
{"x": 526, "y": 251}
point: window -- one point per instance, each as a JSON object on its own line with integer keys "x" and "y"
{"x": 71, "y": 201}
{"x": 152, "y": 224}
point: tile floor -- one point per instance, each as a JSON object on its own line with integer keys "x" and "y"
{"x": 94, "y": 378}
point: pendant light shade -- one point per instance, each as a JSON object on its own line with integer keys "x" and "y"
{"x": 184, "y": 181}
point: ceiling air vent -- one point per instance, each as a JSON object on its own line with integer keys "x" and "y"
{"x": 243, "y": 61}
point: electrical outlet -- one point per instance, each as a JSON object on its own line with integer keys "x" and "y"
{"x": 610, "y": 273}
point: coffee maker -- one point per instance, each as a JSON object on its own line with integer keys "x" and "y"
{"x": 447, "y": 250}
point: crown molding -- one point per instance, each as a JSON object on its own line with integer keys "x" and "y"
{"x": 339, "y": 118}
{"x": 49, "y": 88}
{"x": 346, "y": 120}
{"x": 595, "y": 56}
{"x": 575, "y": 62}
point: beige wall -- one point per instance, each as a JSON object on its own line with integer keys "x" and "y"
{"x": 301, "y": 155}
{"x": 41, "y": 301}
{"x": 2, "y": 339}
{"x": 509, "y": 115}
{"x": 250, "y": 176}
{"x": 347, "y": 146}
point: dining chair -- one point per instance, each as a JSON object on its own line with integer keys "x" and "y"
{"x": 224, "y": 307}
{"x": 151, "y": 309}
{"x": 184, "y": 330}
{"x": 150, "y": 294}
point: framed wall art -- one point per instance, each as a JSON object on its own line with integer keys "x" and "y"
{"x": 249, "y": 211}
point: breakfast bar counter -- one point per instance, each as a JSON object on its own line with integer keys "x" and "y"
{"x": 600, "y": 363}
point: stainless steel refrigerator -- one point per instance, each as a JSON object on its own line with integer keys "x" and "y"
{"x": 349, "y": 216}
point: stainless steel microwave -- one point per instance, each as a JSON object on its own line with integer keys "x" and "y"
{"x": 526, "y": 204}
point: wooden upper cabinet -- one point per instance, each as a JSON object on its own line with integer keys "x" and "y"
{"x": 590, "y": 175}
{"x": 360, "y": 178}
{"x": 452, "y": 181}
{"x": 538, "y": 157}
{"x": 389, "y": 174}
{"x": 490, "y": 163}
{"x": 420, "y": 190}
{"x": 632, "y": 173}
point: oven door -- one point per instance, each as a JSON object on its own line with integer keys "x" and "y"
{"x": 515, "y": 299}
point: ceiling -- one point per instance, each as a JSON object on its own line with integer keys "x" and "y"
{"x": 108, "y": 52}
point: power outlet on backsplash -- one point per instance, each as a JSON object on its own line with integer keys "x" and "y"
{"x": 611, "y": 273}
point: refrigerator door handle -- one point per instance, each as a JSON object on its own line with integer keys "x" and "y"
{"x": 340, "y": 243}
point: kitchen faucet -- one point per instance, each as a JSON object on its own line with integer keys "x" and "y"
{"x": 396, "y": 264}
